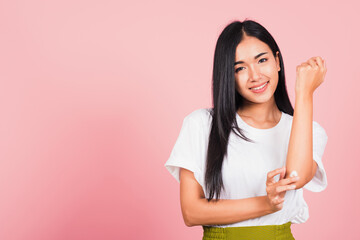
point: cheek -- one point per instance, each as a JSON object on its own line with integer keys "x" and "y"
{"x": 269, "y": 70}
{"x": 240, "y": 84}
{"x": 272, "y": 73}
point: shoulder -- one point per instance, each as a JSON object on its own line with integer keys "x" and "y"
{"x": 201, "y": 116}
{"x": 288, "y": 118}
{"x": 199, "y": 120}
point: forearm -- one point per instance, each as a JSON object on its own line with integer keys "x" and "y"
{"x": 227, "y": 211}
{"x": 299, "y": 156}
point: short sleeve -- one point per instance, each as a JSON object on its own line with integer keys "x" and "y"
{"x": 319, "y": 182}
{"x": 189, "y": 150}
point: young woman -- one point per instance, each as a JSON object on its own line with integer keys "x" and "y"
{"x": 242, "y": 165}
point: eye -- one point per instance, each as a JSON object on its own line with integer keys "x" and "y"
{"x": 263, "y": 59}
{"x": 238, "y": 69}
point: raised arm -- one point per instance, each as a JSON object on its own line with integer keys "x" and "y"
{"x": 300, "y": 151}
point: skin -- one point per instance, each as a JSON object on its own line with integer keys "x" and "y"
{"x": 260, "y": 111}
{"x": 309, "y": 76}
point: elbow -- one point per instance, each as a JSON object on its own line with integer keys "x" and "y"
{"x": 305, "y": 177}
{"x": 192, "y": 215}
{"x": 300, "y": 184}
{"x": 309, "y": 176}
{"x": 187, "y": 219}
{"x": 188, "y": 223}
{"x": 188, "y": 215}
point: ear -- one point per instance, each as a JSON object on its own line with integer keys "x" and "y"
{"x": 277, "y": 61}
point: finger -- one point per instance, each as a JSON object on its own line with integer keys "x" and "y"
{"x": 277, "y": 200}
{"x": 273, "y": 173}
{"x": 323, "y": 64}
{"x": 280, "y": 200}
{"x": 280, "y": 189}
{"x": 319, "y": 62}
{"x": 270, "y": 181}
{"x": 282, "y": 174}
{"x": 312, "y": 62}
{"x": 280, "y": 205}
{"x": 282, "y": 194}
{"x": 304, "y": 64}
{"x": 287, "y": 181}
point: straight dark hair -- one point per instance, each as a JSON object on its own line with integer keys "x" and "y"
{"x": 226, "y": 100}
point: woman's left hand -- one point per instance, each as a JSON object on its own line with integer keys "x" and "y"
{"x": 309, "y": 75}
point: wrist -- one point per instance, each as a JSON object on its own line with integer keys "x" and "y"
{"x": 303, "y": 96}
{"x": 268, "y": 207}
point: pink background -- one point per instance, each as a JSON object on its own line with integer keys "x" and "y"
{"x": 93, "y": 94}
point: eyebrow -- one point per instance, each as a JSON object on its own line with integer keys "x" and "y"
{"x": 257, "y": 56}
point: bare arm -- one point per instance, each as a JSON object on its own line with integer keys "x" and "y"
{"x": 299, "y": 157}
{"x": 310, "y": 75}
{"x": 197, "y": 210}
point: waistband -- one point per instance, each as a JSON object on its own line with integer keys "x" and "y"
{"x": 265, "y": 232}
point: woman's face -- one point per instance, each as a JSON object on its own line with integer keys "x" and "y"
{"x": 251, "y": 72}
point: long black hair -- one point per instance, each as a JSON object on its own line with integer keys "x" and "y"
{"x": 227, "y": 100}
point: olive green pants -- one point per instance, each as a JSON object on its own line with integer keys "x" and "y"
{"x": 266, "y": 232}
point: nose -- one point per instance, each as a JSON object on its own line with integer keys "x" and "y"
{"x": 254, "y": 73}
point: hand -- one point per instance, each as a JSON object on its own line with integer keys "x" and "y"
{"x": 276, "y": 190}
{"x": 309, "y": 75}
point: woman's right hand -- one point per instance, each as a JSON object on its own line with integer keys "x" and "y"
{"x": 276, "y": 190}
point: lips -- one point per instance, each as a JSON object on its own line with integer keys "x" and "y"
{"x": 259, "y": 85}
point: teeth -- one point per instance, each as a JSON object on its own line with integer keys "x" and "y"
{"x": 257, "y": 88}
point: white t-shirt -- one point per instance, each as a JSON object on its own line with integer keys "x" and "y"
{"x": 246, "y": 166}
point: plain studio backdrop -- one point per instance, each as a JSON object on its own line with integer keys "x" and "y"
{"x": 93, "y": 94}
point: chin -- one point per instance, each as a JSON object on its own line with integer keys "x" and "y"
{"x": 260, "y": 98}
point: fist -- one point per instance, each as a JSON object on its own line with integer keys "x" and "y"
{"x": 309, "y": 75}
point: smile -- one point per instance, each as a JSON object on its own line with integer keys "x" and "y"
{"x": 260, "y": 88}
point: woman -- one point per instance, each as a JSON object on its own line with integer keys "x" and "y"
{"x": 242, "y": 164}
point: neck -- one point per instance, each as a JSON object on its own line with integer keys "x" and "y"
{"x": 262, "y": 112}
